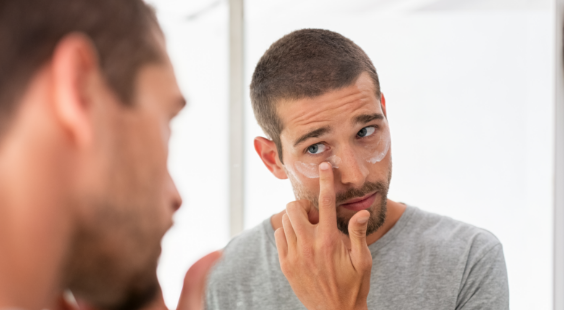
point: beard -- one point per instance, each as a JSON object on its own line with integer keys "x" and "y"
{"x": 377, "y": 210}
{"x": 112, "y": 263}
{"x": 113, "y": 257}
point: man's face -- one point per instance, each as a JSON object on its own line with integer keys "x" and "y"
{"x": 349, "y": 129}
{"x": 129, "y": 203}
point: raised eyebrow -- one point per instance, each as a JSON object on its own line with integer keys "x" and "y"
{"x": 313, "y": 134}
{"x": 367, "y": 118}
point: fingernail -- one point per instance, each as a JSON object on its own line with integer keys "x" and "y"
{"x": 362, "y": 220}
{"x": 324, "y": 166}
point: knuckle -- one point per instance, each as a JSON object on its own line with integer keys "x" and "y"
{"x": 326, "y": 200}
{"x": 366, "y": 262}
{"x": 358, "y": 232}
{"x": 289, "y": 205}
{"x": 292, "y": 261}
{"x": 308, "y": 253}
{"x": 326, "y": 243}
{"x": 279, "y": 233}
{"x": 286, "y": 269}
{"x": 325, "y": 251}
{"x": 367, "y": 266}
{"x": 304, "y": 204}
{"x": 292, "y": 207}
{"x": 305, "y": 243}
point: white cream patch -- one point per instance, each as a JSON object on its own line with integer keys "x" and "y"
{"x": 308, "y": 170}
{"x": 381, "y": 151}
{"x": 311, "y": 170}
{"x": 334, "y": 160}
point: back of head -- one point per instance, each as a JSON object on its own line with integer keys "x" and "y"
{"x": 124, "y": 37}
{"x": 304, "y": 64}
{"x": 31, "y": 29}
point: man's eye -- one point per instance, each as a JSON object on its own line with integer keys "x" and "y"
{"x": 366, "y": 131}
{"x": 316, "y": 148}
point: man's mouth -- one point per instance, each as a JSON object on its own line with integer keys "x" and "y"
{"x": 361, "y": 203}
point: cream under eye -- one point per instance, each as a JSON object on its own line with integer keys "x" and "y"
{"x": 316, "y": 148}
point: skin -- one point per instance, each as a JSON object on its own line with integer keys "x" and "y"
{"x": 85, "y": 192}
{"x": 326, "y": 251}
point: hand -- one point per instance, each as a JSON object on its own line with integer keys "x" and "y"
{"x": 322, "y": 271}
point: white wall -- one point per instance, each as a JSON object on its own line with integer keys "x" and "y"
{"x": 469, "y": 94}
{"x": 198, "y": 160}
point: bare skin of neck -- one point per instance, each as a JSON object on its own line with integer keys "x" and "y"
{"x": 34, "y": 226}
{"x": 393, "y": 214}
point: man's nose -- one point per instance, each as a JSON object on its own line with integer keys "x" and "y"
{"x": 175, "y": 199}
{"x": 352, "y": 169}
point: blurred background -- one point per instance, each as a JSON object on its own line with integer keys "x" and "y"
{"x": 470, "y": 94}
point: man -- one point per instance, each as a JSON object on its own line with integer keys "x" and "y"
{"x": 87, "y": 93}
{"x": 342, "y": 244}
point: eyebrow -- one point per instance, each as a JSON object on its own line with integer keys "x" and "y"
{"x": 367, "y": 118}
{"x": 313, "y": 134}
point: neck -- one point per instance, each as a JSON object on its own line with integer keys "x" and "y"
{"x": 34, "y": 229}
{"x": 393, "y": 214}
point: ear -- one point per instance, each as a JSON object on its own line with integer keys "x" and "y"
{"x": 268, "y": 152}
{"x": 75, "y": 73}
{"x": 383, "y": 103}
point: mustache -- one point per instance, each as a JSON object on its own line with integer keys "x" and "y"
{"x": 367, "y": 188}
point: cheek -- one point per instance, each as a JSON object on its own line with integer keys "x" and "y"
{"x": 148, "y": 155}
{"x": 307, "y": 170}
{"x": 153, "y": 138}
{"x": 381, "y": 170}
{"x": 304, "y": 187}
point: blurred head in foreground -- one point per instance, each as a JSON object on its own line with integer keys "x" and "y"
{"x": 316, "y": 95}
{"x": 87, "y": 93}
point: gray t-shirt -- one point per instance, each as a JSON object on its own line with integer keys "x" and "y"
{"x": 426, "y": 261}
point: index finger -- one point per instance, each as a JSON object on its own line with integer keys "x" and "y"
{"x": 327, "y": 208}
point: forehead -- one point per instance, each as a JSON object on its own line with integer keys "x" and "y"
{"x": 334, "y": 109}
{"x": 156, "y": 81}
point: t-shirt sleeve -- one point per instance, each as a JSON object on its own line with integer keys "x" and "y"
{"x": 484, "y": 285}
{"x": 211, "y": 300}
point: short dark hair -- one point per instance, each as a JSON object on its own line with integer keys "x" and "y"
{"x": 304, "y": 64}
{"x": 31, "y": 29}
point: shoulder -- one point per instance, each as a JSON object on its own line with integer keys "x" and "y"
{"x": 244, "y": 253}
{"x": 248, "y": 272}
{"x": 470, "y": 259}
{"x": 448, "y": 235}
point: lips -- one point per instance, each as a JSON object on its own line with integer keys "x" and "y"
{"x": 361, "y": 203}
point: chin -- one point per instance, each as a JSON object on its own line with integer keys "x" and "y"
{"x": 111, "y": 274}
{"x": 137, "y": 296}
{"x": 124, "y": 293}
{"x": 377, "y": 217}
